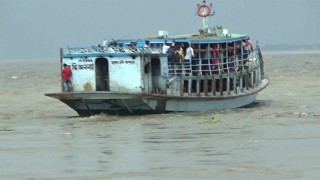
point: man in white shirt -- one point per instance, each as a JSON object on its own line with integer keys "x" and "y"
{"x": 189, "y": 54}
{"x": 187, "y": 58}
{"x": 104, "y": 43}
{"x": 165, "y": 47}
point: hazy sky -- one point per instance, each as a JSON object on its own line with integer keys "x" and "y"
{"x": 37, "y": 28}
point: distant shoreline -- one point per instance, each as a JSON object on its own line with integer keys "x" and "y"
{"x": 301, "y": 51}
{"x": 33, "y": 59}
{"x": 312, "y": 51}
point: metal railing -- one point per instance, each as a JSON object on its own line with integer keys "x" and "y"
{"x": 211, "y": 66}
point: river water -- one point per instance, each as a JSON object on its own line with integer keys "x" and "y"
{"x": 277, "y": 137}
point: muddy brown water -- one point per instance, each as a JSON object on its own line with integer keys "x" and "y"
{"x": 277, "y": 137}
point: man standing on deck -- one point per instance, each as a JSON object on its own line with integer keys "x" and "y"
{"x": 66, "y": 75}
{"x": 189, "y": 54}
{"x": 165, "y": 47}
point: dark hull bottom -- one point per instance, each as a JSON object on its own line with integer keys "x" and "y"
{"x": 153, "y": 104}
{"x": 87, "y": 107}
{"x": 85, "y": 113}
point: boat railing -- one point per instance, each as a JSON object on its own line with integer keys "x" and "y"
{"x": 111, "y": 50}
{"x": 101, "y": 49}
{"x": 212, "y": 66}
{"x": 231, "y": 76}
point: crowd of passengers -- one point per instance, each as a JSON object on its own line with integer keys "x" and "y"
{"x": 200, "y": 58}
{"x": 208, "y": 58}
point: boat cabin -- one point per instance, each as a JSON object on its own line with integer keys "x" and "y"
{"x": 131, "y": 66}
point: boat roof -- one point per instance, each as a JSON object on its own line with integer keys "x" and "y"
{"x": 190, "y": 38}
{"x": 126, "y": 49}
{"x": 199, "y": 38}
{"x": 97, "y": 51}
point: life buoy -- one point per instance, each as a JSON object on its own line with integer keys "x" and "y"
{"x": 207, "y": 6}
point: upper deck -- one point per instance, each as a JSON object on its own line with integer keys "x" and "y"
{"x": 118, "y": 51}
{"x": 125, "y": 47}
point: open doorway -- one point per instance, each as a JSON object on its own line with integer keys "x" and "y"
{"x": 102, "y": 74}
{"x": 155, "y": 72}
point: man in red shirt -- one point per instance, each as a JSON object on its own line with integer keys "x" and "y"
{"x": 66, "y": 75}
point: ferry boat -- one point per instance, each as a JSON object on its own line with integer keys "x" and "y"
{"x": 208, "y": 70}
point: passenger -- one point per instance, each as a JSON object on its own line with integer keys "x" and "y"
{"x": 181, "y": 52}
{"x": 66, "y": 75}
{"x": 104, "y": 43}
{"x": 231, "y": 56}
{"x": 237, "y": 58}
{"x": 221, "y": 59}
{"x": 195, "y": 63}
{"x": 208, "y": 52}
{"x": 246, "y": 51}
{"x": 207, "y": 59}
{"x": 173, "y": 55}
{"x": 111, "y": 47}
{"x": 133, "y": 44}
{"x": 113, "y": 43}
{"x": 215, "y": 59}
{"x": 173, "y": 43}
{"x": 189, "y": 56}
{"x": 147, "y": 44}
{"x": 249, "y": 42}
{"x": 165, "y": 47}
{"x": 238, "y": 49}
{"x": 121, "y": 48}
{"x": 173, "y": 58}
